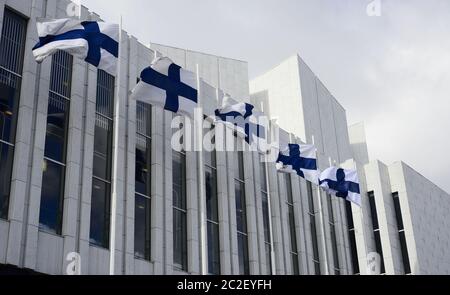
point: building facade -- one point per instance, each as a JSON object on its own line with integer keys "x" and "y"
{"x": 56, "y": 156}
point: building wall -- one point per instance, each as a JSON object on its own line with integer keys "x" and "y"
{"x": 424, "y": 209}
{"x": 23, "y": 244}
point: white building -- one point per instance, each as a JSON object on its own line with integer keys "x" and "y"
{"x": 56, "y": 122}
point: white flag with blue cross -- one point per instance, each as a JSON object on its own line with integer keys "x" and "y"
{"x": 300, "y": 159}
{"x": 341, "y": 183}
{"x": 167, "y": 85}
{"x": 95, "y": 42}
{"x": 249, "y": 122}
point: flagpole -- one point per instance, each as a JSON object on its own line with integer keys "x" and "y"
{"x": 198, "y": 122}
{"x": 322, "y": 228}
{"x": 112, "y": 239}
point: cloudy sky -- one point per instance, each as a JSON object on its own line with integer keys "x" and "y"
{"x": 391, "y": 71}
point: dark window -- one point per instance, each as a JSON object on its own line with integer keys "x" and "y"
{"x": 401, "y": 233}
{"x": 312, "y": 224}
{"x": 212, "y": 214}
{"x": 332, "y": 225}
{"x": 12, "y": 46}
{"x": 52, "y": 194}
{"x": 101, "y": 183}
{"x": 241, "y": 214}
{"x": 376, "y": 229}
{"x": 142, "y": 225}
{"x": 352, "y": 237}
{"x": 291, "y": 218}
{"x": 266, "y": 215}
{"x": 179, "y": 211}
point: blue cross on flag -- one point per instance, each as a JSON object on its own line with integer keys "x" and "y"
{"x": 299, "y": 159}
{"x": 168, "y": 86}
{"x": 246, "y": 121}
{"x": 341, "y": 183}
{"x": 95, "y": 42}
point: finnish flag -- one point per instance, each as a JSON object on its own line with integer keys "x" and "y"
{"x": 341, "y": 183}
{"x": 168, "y": 86}
{"x": 95, "y": 42}
{"x": 300, "y": 159}
{"x": 247, "y": 121}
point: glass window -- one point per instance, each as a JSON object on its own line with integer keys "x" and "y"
{"x": 179, "y": 180}
{"x": 12, "y": 46}
{"x": 241, "y": 213}
{"x": 212, "y": 213}
{"x": 244, "y": 268}
{"x": 101, "y": 183}
{"x": 375, "y": 226}
{"x": 103, "y": 147}
{"x": 50, "y": 214}
{"x": 57, "y": 123}
{"x": 6, "y": 162}
{"x": 52, "y": 194}
{"x": 312, "y": 224}
{"x": 179, "y": 210}
{"x": 179, "y": 239}
{"x": 352, "y": 237}
{"x": 142, "y": 226}
{"x": 401, "y": 232}
{"x": 100, "y": 213}
{"x": 213, "y": 248}
{"x": 332, "y": 225}
{"x": 291, "y": 218}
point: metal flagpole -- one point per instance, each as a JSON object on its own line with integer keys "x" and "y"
{"x": 322, "y": 228}
{"x": 198, "y": 122}
{"x": 112, "y": 239}
{"x": 269, "y": 204}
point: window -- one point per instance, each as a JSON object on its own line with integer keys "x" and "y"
{"x": 266, "y": 214}
{"x": 241, "y": 213}
{"x": 401, "y": 233}
{"x": 142, "y": 225}
{"x": 291, "y": 218}
{"x": 352, "y": 237}
{"x": 212, "y": 213}
{"x": 101, "y": 182}
{"x": 376, "y": 228}
{"x": 332, "y": 225}
{"x": 179, "y": 211}
{"x": 312, "y": 224}
{"x": 54, "y": 167}
{"x": 12, "y": 46}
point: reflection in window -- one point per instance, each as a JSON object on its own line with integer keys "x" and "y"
{"x": 12, "y": 46}
{"x": 212, "y": 214}
{"x": 312, "y": 224}
{"x": 291, "y": 218}
{"x": 401, "y": 234}
{"x": 52, "y": 194}
{"x": 266, "y": 215}
{"x": 352, "y": 237}
{"x": 376, "y": 228}
{"x": 142, "y": 225}
{"x": 101, "y": 182}
{"x": 179, "y": 210}
{"x": 332, "y": 225}
{"x": 241, "y": 214}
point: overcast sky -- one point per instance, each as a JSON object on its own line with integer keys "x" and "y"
{"x": 390, "y": 71}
